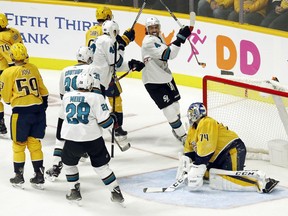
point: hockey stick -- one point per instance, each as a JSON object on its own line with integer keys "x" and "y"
{"x": 139, "y": 13}
{"x": 192, "y": 22}
{"x": 123, "y": 75}
{"x": 125, "y": 147}
{"x": 171, "y": 188}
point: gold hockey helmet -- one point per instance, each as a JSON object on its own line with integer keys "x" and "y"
{"x": 103, "y": 13}
{"x": 3, "y": 20}
{"x": 18, "y": 52}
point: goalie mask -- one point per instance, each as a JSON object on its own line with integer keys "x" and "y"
{"x": 85, "y": 81}
{"x": 110, "y": 28}
{"x": 195, "y": 112}
{"x": 85, "y": 54}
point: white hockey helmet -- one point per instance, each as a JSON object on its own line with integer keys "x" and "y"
{"x": 195, "y": 112}
{"x": 85, "y": 81}
{"x": 111, "y": 28}
{"x": 152, "y": 21}
{"x": 85, "y": 54}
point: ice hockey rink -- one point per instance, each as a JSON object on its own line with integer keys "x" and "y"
{"x": 151, "y": 161}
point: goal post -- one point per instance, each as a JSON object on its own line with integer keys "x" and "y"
{"x": 255, "y": 109}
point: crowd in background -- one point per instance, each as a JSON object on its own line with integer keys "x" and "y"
{"x": 266, "y": 13}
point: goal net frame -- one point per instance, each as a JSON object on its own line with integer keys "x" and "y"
{"x": 267, "y": 95}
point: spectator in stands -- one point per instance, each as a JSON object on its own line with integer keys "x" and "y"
{"x": 278, "y": 16}
{"x": 254, "y": 11}
{"x": 219, "y": 9}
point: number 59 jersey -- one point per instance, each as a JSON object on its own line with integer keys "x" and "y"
{"x": 23, "y": 87}
{"x": 84, "y": 114}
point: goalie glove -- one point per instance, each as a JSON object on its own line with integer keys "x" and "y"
{"x": 195, "y": 176}
{"x": 135, "y": 65}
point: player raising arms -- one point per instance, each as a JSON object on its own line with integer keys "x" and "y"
{"x": 67, "y": 83}
{"x": 212, "y": 147}
{"x": 24, "y": 90}
{"x": 157, "y": 77}
{"x": 103, "y": 14}
{"x": 85, "y": 113}
{"x": 8, "y": 36}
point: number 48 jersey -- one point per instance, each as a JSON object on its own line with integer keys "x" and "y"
{"x": 84, "y": 114}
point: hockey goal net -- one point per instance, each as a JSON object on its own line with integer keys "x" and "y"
{"x": 255, "y": 109}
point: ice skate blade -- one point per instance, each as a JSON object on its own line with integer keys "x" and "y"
{"x": 20, "y": 186}
{"x": 77, "y": 202}
{"x": 50, "y": 178}
{"x": 120, "y": 138}
{"x": 38, "y": 186}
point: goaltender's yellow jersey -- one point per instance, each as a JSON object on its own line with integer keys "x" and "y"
{"x": 210, "y": 137}
{"x": 8, "y": 37}
{"x": 22, "y": 86}
{"x": 93, "y": 33}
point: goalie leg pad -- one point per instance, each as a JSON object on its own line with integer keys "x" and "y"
{"x": 245, "y": 180}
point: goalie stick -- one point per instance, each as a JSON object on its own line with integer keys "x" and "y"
{"x": 171, "y": 188}
{"x": 192, "y": 23}
{"x": 122, "y": 148}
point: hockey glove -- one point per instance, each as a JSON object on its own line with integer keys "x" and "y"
{"x": 114, "y": 117}
{"x": 121, "y": 42}
{"x": 183, "y": 34}
{"x": 135, "y": 65}
{"x": 128, "y": 36}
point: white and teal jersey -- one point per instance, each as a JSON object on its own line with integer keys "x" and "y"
{"x": 84, "y": 114}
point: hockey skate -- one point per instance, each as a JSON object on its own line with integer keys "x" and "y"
{"x": 117, "y": 197}
{"x": 3, "y": 129}
{"x": 38, "y": 180}
{"x": 54, "y": 172}
{"x": 270, "y": 185}
{"x": 84, "y": 157}
{"x": 120, "y": 134}
{"x": 182, "y": 139}
{"x": 75, "y": 195}
{"x": 18, "y": 180}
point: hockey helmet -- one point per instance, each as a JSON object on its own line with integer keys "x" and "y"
{"x": 152, "y": 21}
{"x": 85, "y": 54}
{"x": 110, "y": 28}
{"x": 195, "y": 112}
{"x": 85, "y": 81}
{"x": 3, "y": 20}
{"x": 103, "y": 13}
{"x": 18, "y": 52}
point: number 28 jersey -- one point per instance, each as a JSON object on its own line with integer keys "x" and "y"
{"x": 84, "y": 114}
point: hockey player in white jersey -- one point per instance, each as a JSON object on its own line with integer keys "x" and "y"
{"x": 108, "y": 58}
{"x": 67, "y": 83}
{"x": 157, "y": 77}
{"x": 85, "y": 114}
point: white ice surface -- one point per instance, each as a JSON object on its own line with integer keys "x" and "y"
{"x": 153, "y": 148}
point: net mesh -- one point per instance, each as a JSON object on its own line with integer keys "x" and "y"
{"x": 256, "y": 110}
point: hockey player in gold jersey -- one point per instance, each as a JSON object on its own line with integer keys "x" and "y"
{"x": 24, "y": 90}
{"x": 8, "y": 36}
{"x": 212, "y": 148}
{"x": 103, "y": 14}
